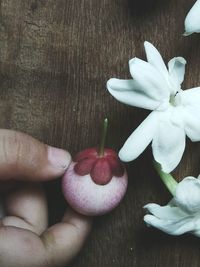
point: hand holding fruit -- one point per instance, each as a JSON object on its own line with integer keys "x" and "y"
{"x": 24, "y": 237}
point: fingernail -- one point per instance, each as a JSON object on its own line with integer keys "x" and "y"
{"x": 59, "y": 158}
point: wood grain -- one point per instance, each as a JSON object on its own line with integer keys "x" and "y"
{"x": 55, "y": 59}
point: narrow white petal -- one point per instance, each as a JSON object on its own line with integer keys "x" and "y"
{"x": 130, "y": 93}
{"x": 139, "y": 139}
{"x": 188, "y": 195}
{"x": 191, "y": 96}
{"x": 190, "y": 100}
{"x": 155, "y": 59}
{"x": 172, "y": 227}
{"x": 148, "y": 77}
{"x": 165, "y": 212}
{"x": 169, "y": 142}
{"x": 176, "y": 71}
{"x": 191, "y": 117}
{"x": 192, "y": 21}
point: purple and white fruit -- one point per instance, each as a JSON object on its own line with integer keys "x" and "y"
{"x": 95, "y": 182}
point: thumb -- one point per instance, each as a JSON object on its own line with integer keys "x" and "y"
{"x": 25, "y": 158}
{"x": 65, "y": 239}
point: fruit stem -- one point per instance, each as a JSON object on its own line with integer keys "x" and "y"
{"x": 103, "y": 138}
{"x": 167, "y": 179}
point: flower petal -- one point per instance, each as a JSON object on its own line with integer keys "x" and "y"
{"x": 139, "y": 139}
{"x": 176, "y": 72}
{"x": 165, "y": 212}
{"x": 155, "y": 59}
{"x": 169, "y": 141}
{"x": 191, "y": 97}
{"x": 148, "y": 77}
{"x": 172, "y": 227}
{"x": 190, "y": 100}
{"x": 192, "y": 21}
{"x": 191, "y": 117}
{"x": 187, "y": 195}
{"x": 130, "y": 93}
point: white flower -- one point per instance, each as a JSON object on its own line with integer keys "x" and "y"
{"x": 176, "y": 113}
{"x": 182, "y": 214}
{"x": 192, "y": 21}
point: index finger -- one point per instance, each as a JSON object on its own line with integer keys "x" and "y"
{"x": 25, "y": 158}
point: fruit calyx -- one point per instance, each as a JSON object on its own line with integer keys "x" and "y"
{"x": 100, "y": 167}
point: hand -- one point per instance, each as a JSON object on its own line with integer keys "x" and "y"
{"x": 24, "y": 237}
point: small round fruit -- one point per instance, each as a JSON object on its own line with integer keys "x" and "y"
{"x": 95, "y": 184}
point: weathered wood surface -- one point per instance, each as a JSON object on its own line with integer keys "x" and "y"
{"x": 55, "y": 59}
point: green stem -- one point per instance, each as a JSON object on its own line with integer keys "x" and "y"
{"x": 167, "y": 179}
{"x": 103, "y": 138}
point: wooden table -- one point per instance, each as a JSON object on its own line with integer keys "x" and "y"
{"x": 56, "y": 57}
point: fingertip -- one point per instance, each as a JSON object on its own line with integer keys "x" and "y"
{"x": 54, "y": 163}
{"x": 58, "y": 157}
{"x": 80, "y": 222}
{"x": 64, "y": 240}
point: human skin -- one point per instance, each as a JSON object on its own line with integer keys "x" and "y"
{"x": 25, "y": 239}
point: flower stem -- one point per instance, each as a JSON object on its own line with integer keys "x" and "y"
{"x": 167, "y": 179}
{"x": 103, "y": 138}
